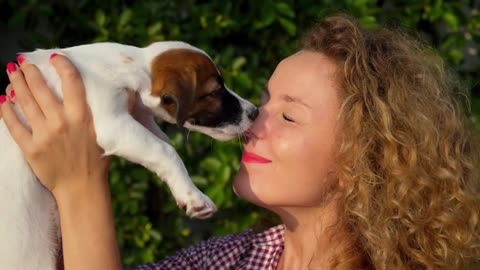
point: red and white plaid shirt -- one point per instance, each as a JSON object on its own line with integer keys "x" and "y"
{"x": 246, "y": 251}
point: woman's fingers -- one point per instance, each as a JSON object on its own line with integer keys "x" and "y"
{"x": 10, "y": 92}
{"x": 74, "y": 96}
{"x": 19, "y": 132}
{"x": 3, "y": 99}
{"x": 47, "y": 101}
{"x": 23, "y": 95}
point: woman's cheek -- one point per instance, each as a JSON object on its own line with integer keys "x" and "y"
{"x": 286, "y": 144}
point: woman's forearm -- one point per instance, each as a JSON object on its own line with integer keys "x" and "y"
{"x": 88, "y": 231}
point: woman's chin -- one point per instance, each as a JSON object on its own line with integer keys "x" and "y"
{"x": 243, "y": 186}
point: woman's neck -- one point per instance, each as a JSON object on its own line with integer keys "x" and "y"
{"x": 308, "y": 236}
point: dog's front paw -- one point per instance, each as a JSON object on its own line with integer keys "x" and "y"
{"x": 197, "y": 205}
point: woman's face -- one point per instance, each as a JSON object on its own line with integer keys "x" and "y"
{"x": 288, "y": 160}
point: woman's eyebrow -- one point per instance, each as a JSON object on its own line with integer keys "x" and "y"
{"x": 286, "y": 98}
{"x": 290, "y": 99}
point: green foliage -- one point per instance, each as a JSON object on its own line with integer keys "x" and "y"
{"x": 246, "y": 39}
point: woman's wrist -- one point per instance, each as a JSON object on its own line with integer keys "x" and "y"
{"x": 80, "y": 193}
{"x": 86, "y": 219}
{"x": 80, "y": 187}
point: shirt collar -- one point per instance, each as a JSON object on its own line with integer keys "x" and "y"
{"x": 270, "y": 237}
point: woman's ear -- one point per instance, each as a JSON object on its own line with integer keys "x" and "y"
{"x": 178, "y": 86}
{"x": 332, "y": 174}
{"x": 341, "y": 184}
{"x": 186, "y": 86}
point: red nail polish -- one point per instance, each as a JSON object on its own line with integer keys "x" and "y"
{"x": 11, "y": 67}
{"x": 20, "y": 58}
{"x": 12, "y": 94}
{"x": 3, "y": 99}
{"x": 53, "y": 55}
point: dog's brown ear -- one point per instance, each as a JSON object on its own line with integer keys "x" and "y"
{"x": 179, "y": 86}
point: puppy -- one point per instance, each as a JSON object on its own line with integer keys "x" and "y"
{"x": 175, "y": 81}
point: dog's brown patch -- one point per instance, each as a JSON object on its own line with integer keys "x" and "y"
{"x": 211, "y": 85}
{"x": 181, "y": 76}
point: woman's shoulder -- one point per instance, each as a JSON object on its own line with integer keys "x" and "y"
{"x": 226, "y": 242}
{"x": 248, "y": 238}
{"x": 221, "y": 251}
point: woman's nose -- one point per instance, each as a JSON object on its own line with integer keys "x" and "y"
{"x": 258, "y": 129}
{"x": 247, "y": 136}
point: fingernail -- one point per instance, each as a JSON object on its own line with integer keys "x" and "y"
{"x": 3, "y": 98}
{"x": 12, "y": 95}
{"x": 11, "y": 67}
{"x": 53, "y": 55}
{"x": 20, "y": 58}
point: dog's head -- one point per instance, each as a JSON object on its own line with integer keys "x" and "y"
{"x": 190, "y": 92}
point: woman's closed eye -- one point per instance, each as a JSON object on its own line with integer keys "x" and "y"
{"x": 288, "y": 118}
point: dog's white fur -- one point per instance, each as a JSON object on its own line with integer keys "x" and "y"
{"x": 29, "y": 227}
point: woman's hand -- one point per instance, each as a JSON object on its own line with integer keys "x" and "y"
{"x": 62, "y": 151}
{"x": 61, "y": 145}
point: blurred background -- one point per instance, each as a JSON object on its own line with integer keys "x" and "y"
{"x": 246, "y": 38}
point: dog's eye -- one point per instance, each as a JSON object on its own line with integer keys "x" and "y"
{"x": 214, "y": 93}
{"x": 192, "y": 121}
{"x": 167, "y": 100}
{"x": 217, "y": 92}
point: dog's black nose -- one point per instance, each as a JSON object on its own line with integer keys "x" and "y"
{"x": 252, "y": 114}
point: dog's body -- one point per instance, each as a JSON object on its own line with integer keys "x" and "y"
{"x": 175, "y": 81}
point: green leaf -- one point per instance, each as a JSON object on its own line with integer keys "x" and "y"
{"x": 211, "y": 164}
{"x": 203, "y": 22}
{"x": 285, "y": 9}
{"x": 288, "y": 25}
{"x": 266, "y": 19}
{"x": 239, "y": 62}
{"x": 436, "y": 11}
{"x": 243, "y": 80}
{"x": 199, "y": 180}
{"x": 217, "y": 194}
{"x": 225, "y": 174}
{"x": 368, "y": 22}
{"x": 185, "y": 232}
{"x": 125, "y": 18}
{"x": 154, "y": 28}
{"x": 451, "y": 20}
{"x": 138, "y": 241}
{"x": 100, "y": 18}
{"x": 155, "y": 235}
{"x": 140, "y": 174}
{"x": 456, "y": 56}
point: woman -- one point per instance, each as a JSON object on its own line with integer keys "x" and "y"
{"x": 359, "y": 148}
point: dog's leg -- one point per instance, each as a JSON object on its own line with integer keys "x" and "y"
{"x": 121, "y": 135}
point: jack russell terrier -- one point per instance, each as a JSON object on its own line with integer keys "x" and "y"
{"x": 175, "y": 81}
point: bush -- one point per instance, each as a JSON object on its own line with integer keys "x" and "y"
{"x": 246, "y": 39}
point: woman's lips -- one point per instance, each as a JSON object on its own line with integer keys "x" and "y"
{"x": 249, "y": 157}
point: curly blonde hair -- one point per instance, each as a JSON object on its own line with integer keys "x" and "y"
{"x": 407, "y": 155}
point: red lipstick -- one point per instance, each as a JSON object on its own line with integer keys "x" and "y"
{"x": 249, "y": 157}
